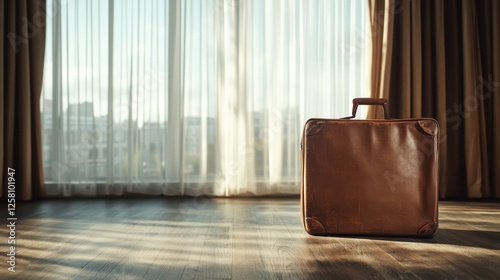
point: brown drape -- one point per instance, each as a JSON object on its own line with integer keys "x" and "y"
{"x": 22, "y": 46}
{"x": 440, "y": 59}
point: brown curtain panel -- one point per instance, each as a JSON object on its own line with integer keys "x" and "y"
{"x": 440, "y": 59}
{"x": 22, "y": 46}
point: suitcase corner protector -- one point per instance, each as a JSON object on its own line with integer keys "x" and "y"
{"x": 427, "y": 230}
{"x": 314, "y": 126}
{"x": 314, "y": 227}
{"x": 429, "y": 126}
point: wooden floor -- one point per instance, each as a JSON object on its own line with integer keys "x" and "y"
{"x": 200, "y": 238}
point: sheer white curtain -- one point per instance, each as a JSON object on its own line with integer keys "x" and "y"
{"x": 194, "y": 97}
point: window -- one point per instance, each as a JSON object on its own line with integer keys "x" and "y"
{"x": 195, "y": 96}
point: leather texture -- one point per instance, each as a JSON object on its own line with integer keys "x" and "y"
{"x": 370, "y": 177}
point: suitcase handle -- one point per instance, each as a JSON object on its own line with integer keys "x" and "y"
{"x": 369, "y": 101}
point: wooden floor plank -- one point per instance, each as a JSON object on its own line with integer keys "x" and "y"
{"x": 237, "y": 238}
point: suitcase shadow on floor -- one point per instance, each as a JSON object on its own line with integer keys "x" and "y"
{"x": 471, "y": 238}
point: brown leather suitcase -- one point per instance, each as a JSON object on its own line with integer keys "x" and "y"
{"x": 370, "y": 177}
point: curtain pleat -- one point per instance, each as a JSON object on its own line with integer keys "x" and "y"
{"x": 174, "y": 145}
{"x": 493, "y": 87}
{"x": 405, "y": 56}
{"x": 3, "y": 115}
{"x": 443, "y": 66}
{"x": 440, "y": 97}
{"x": 453, "y": 176}
{"x": 2, "y": 96}
{"x": 473, "y": 122}
{"x": 382, "y": 18}
{"x": 22, "y": 54}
